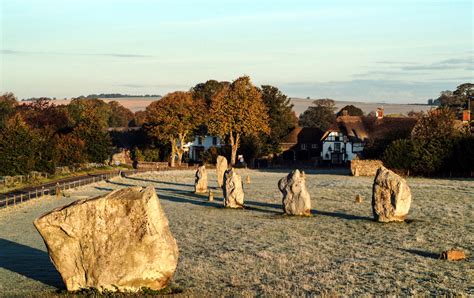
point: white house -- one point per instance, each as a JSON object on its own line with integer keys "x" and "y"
{"x": 344, "y": 140}
{"x": 201, "y": 144}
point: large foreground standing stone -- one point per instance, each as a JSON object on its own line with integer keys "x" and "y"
{"x": 296, "y": 198}
{"x": 117, "y": 242}
{"x": 391, "y": 196}
{"x": 221, "y": 167}
{"x": 233, "y": 190}
{"x": 200, "y": 182}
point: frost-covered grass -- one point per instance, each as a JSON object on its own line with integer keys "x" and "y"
{"x": 338, "y": 250}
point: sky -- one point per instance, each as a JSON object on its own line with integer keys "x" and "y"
{"x": 400, "y": 51}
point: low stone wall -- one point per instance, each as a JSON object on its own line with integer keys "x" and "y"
{"x": 142, "y": 165}
{"x": 365, "y": 167}
{"x": 8, "y": 181}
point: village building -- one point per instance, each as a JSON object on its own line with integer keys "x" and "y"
{"x": 347, "y": 138}
{"x": 200, "y": 144}
{"x": 344, "y": 140}
{"x": 302, "y": 144}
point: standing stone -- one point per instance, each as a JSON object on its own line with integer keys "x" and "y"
{"x": 200, "y": 182}
{"x": 221, "y": 167}
{"x": 296, "y": 198}
{"x": 233, "y": 190}
{"x": 119, "y": 242}
{"x": 391, "y": 196}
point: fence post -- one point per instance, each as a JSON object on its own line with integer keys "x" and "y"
{"x": 21, "y": 198}
{"x": 42, "y": 191}
{"x": 29, "y": 195}
{"x": 14, "y": 200}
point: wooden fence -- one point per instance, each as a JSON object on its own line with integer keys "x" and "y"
{"x": 19, "y": 196}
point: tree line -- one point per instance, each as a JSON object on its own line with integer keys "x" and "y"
{"x": 40, "y": 136}
{"x": 251, "y": 120}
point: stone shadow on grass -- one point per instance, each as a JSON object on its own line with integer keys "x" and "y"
{"x": 202, "y": 201}
{"x": 341, "y": 215}
{"x": 314, "y": 212}
{"x": 158, "y": 181}
{"x": 421, "y": 253}
{"x": 29, "y": 262}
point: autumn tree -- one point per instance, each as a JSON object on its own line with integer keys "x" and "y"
{"x": 320, "y": 115}
{"x": 68, "y": 150}
{"x": 174, "y": 118}
{"x": 205, "y": 91}
{"x": 17, "y": 147}
{"x": 7, "y": 107}
{"x": 90, "y": 117}
{"x": 282, "y": 119}
{"x": 438, "y": 123}
{"x": 120, "y": 116}
{"x": 238, "y": 110}
{"x": 139, "y": 118}
{"x": 42, "y": 113}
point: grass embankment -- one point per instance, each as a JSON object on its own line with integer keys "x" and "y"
{"x": 58, "y": 177}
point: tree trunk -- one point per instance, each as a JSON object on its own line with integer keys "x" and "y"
{"x": 180, "y": 148}
{"x": 234, "y": 142}
{"x": 173, "y": 153}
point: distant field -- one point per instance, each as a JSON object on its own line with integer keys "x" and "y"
{"x": 300, "y": 105}
{"x": 337, "y": 251}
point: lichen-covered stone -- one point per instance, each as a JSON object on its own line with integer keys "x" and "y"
{"x": 233, "y": 190}
{"x": 296, "y": 198}
{"x": 200, "y": 182}
{"x": 221, "y": 167}
{"x": 117, "y": 242}
{"x": 391, "y": 196}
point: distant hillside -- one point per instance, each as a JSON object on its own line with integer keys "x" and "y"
{"x": 301, "y": 104}
{"x": 117, "y": 95}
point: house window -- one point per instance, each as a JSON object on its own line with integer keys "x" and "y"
{"x": 214, "y": 141}
{"x": 303, "y": 147}
{"x": 314, "y": 146}
{"x": 337, "y": 147}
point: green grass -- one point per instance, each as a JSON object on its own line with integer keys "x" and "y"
{"x": 339, "y": 250}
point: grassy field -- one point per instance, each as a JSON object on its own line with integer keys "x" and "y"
{"x": 259, "y": 251}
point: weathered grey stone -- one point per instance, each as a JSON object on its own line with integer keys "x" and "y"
{"x": 117, "y": 242}
{"x": 221, "y": 167}
{"x": 200, "y": 182}
{"x": 296, "y": 198}
{"x": 233, "y": 190}
{"x": 391, "y": 196}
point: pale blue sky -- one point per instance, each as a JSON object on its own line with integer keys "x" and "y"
{"x": 393, "y": 51}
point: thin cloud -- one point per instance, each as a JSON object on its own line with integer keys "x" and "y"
{"x": 454, "y": 63}
{"x": 115, "y": 55}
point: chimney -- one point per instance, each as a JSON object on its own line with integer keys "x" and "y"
{"x": 379, "y": 113}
